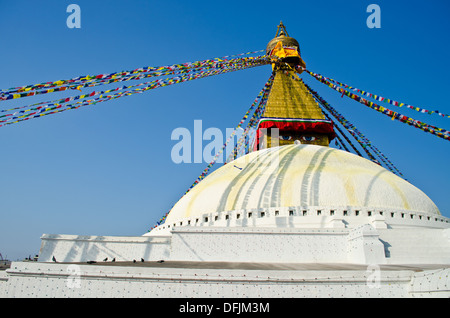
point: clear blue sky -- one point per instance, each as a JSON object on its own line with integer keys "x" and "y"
{"x": 106, "y": 169}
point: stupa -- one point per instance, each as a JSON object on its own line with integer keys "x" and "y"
{"x": 293, "y": 218}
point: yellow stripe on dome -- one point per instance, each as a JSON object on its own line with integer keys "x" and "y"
{"x": 303, "y": 176}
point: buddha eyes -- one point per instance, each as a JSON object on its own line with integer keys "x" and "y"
{"x": 308, "y": 138}
{"x": 303, "y": 138}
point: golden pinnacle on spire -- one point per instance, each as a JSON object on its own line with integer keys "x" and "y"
{"x": 281, "y": 30}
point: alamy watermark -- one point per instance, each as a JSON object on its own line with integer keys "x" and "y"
{"x": 199, "y": 145}
{"x": 374, "y": 19}
{"x": 191, "y": 148}
{"x": 73, "y": 280}
{"x": 373, "y": 276}
{"x": 74, "y": 19}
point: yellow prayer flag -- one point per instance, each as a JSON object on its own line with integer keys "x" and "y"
{"x": 278, "y": 50}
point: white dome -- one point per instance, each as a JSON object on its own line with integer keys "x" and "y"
{"x": 301, "y": 176}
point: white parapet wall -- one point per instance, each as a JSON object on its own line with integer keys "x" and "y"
{"x": 3, "y": 283}
{"x": 431, "y": 283}
{"x": 364, "y": 244}
{"x": 309, "y": 217}
{"x": 259, "y": 245}
{"x": 416, "y": 245}
{"x": 83, "y": 248}
{"x": 35, "y": 279}
{"x": 364, "y": 261}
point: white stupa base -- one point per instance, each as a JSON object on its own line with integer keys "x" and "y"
{"x": 226, "y": 280}
{"x": 296, "y": 240}
{"x": 380, "y": 258}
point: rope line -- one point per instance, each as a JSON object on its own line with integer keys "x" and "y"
{"x": 24, "y": 91}
{"x": 260, "y": 100}
{"x": 439, "y": 132}
{"x": 363, "y": 141}
{"x": 61, "y": 105}
{"x": 378, "y": 97}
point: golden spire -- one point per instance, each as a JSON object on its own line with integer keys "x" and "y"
{"x": 290, "y": 107}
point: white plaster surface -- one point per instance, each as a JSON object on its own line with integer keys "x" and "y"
{"x": 301, "y": 175}
{"x": 259, "y": 245}
{"x": 28, "y": 279}
{"x": 431, "y": 283}
{"x": 83, "y": 248}
{"x": 363, "y": 244}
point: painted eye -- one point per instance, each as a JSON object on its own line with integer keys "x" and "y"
{"x": 286, "y": 137}
{"x": 308, "y": 138}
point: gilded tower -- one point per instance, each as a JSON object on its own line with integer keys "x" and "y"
{"x": 290, "y": 107}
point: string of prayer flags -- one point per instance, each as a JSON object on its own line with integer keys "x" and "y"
{"x": 439, "y": 132}
{"x": 53, "y": 108}
{"x": 262, "y": 99}
{"x": 262, "y": 96}
{"x": 102, "y": 79}
{"x": 254, "y": 120}
{"x": 378, "y": 97}
{"x": 364, "y": 142}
